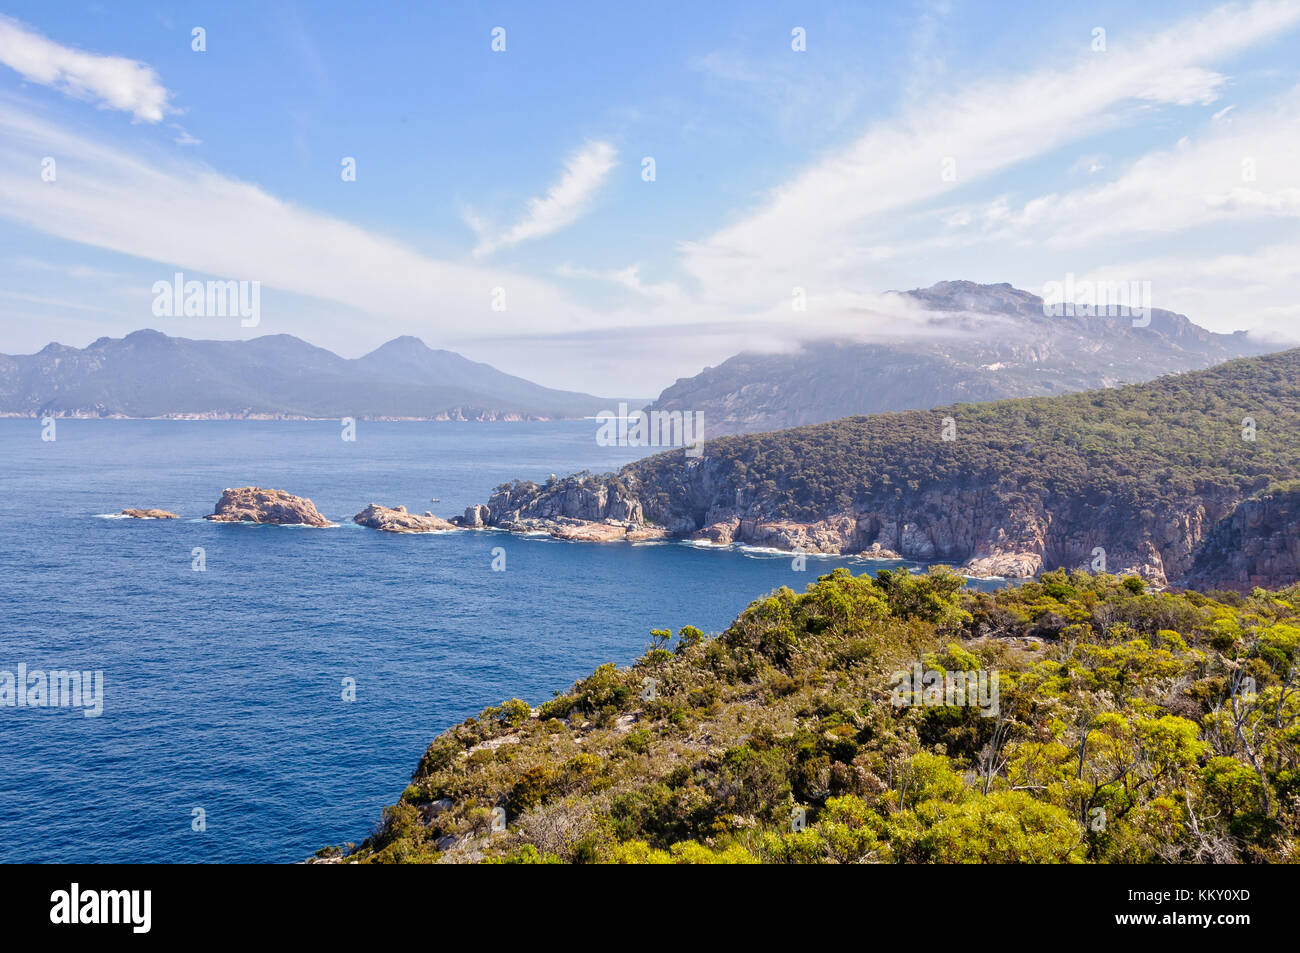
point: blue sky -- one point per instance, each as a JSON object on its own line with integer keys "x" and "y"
{"x": 908, "y": 143}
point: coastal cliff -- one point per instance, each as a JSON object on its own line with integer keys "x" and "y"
{"x": 1129, "y": 480}
{"x": 989, "y": 531}
{"x": 1255, "y": 546}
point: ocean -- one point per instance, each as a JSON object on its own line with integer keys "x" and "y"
{"x": 225, "y": 735}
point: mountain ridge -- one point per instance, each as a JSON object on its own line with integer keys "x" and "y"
{"x": 149, "y": 374}
{"x": 970, "y": 342}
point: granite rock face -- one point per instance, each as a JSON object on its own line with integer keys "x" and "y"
{"x": 476, "y": 516}
{"x": 984, "y": 529}
{"x": 397, "y": 520}
{"x": 150, "y": 514}
{"x": 252, "y": 504}
{"x": 580, "y": 498}
{"x": 1258, "y": 544}
{"x": 581, "y": 508}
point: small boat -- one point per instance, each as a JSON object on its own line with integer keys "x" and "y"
{"x": 434, "y": 500}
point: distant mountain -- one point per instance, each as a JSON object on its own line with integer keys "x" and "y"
{"x": 148, "y": 374}
{"x": 982, "y": 342}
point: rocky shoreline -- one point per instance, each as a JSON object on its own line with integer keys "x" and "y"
{"x": 603, "y": 509}
{"x": 1216, "y": 544}
{"x": 983, "y": 532}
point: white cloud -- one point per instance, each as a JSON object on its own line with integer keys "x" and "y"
{"x": 113, "y": 82}
{"x": 1223, "y": 292}
{"x": 1236, "y": 172}
{"x": 566, "y": 200}
{"x": 184, "y": 215}
{"x": 629, "y": 278}
{"x": 1090, "y": 164}
{"x": 183, "y": 138}
{"x": 842, "y": 226}
{"x": 818, "y": 230}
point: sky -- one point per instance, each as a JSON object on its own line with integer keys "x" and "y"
{"x": 607, "y": 197}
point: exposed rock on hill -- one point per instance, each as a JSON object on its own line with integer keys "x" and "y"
{"x": 1257, "y": 545}
{"x": 252, "y": 504}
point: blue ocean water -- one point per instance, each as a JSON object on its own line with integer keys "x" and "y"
{"x": 223, "y": 688}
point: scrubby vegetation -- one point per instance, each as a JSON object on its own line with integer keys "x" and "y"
{"x": 1131, "y": 726}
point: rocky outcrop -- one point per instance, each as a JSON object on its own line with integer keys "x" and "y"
{"x": 1258, "y": 544}
{"x": 397, "y": 520}
{"x": 987, "y": 530}
{"x": 580, "y": 497}
{"x": 150, "y": 514}
{"x": 581, "y": 508}
{"x": 252, "y": 504}
{"x": 476, "y": 516}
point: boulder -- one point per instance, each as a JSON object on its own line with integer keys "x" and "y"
{"x": 252, "y": 504}
{"x": 396, "y": 520}
{"x": 150, "y": 514}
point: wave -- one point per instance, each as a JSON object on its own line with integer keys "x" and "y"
{"x": 276, "y": 525}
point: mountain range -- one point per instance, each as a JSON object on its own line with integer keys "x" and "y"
{"x": 965, "y": 342}
{"x": 972, "y": 342}
{"x": 149, "y": 374}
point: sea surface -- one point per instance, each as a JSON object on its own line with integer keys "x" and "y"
{"x": 223, "y": 689}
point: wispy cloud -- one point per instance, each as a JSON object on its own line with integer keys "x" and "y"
{"x": 564, "y": 202}
{"x": 874, "y": 213}
{"x": 112, "y": 82}
{"x": 1259, "y": 290}
{"x": 629, "y": 278}
{"x": 821, "y": 229}
{"x": 183, "y": 214}
{"x": 1236, "y": 171}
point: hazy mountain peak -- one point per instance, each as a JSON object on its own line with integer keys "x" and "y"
{"x": 997, "y": 343}
{"x": 405, "y": 342}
